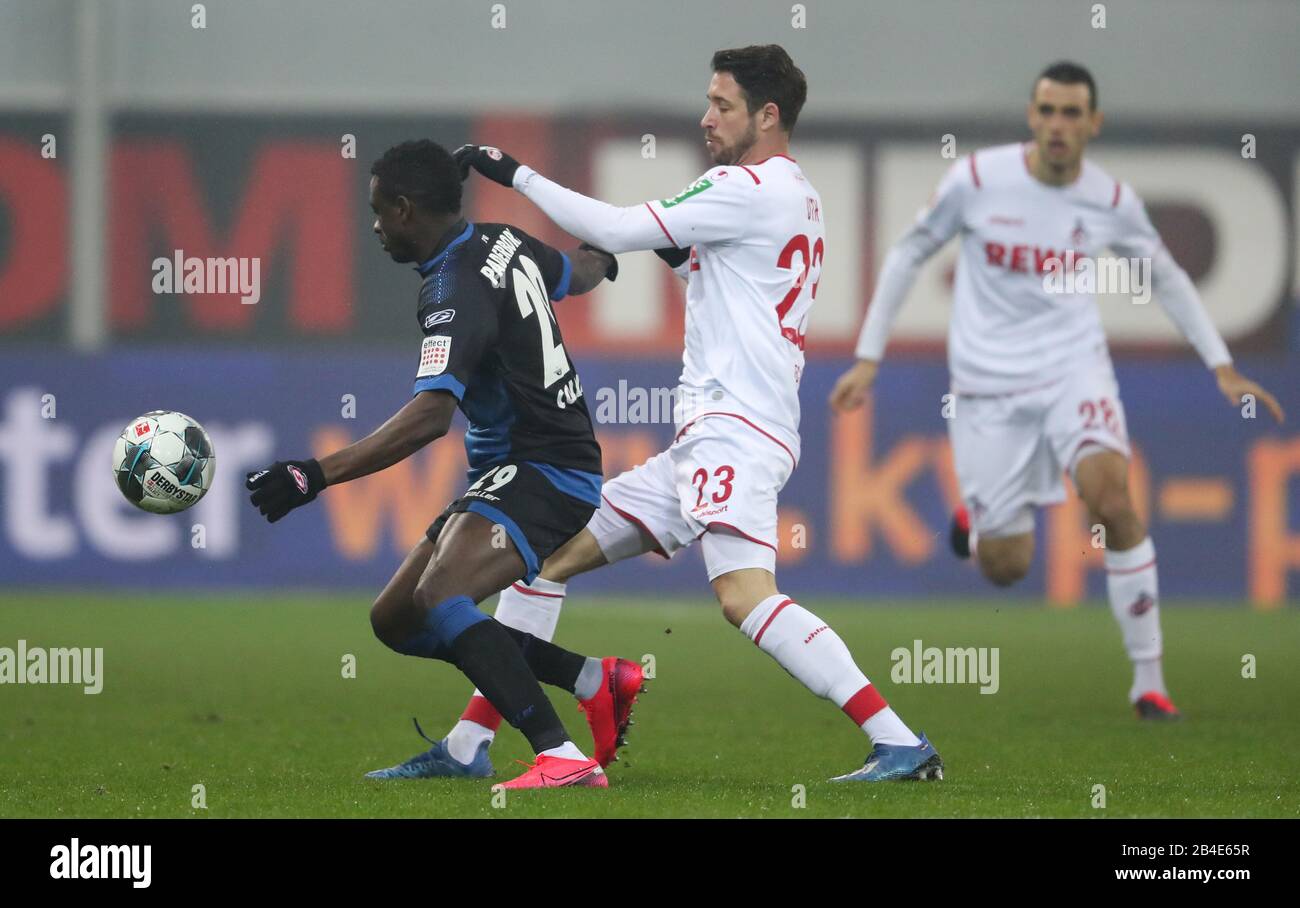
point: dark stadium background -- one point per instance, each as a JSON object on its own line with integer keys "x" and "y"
{"x": 226, "y": 140}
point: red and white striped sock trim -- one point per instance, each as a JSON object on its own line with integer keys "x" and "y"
{"x": 481, "y": 712}
{"x": 529, "y": 591}
{"x": 864, "y": 704}
{"x": 758, "y": 638}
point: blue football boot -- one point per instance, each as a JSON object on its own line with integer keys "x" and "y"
{"x": 437, "y": 762}
{"x": 896, "y": 763}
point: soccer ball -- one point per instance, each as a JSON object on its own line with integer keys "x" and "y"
{"x": 163, "y": 462}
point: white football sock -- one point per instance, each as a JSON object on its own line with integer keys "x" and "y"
{"x": 588, "y": 683}
{"x": 533, "y": 608}
{"x": 1135, "y": 602}
{"x": 567, "y": 751}
{"x": 1148, "y": 675}
{"x": 808, "y": 649}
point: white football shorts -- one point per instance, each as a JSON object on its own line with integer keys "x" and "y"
{"x": 718, "y": 480}
{"x": 1011, "y": 451}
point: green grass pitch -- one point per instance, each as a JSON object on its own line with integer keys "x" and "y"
{"x": 244, "y": 694}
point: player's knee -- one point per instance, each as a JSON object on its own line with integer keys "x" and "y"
{"x": 1006, "y": 566}
{"x": 736, "y": 598}
{"x": 1112, "y": 508}
{"x": 427, "y": 594}
{"x": 735, "y": 610}
{"x": 383, "y": 622}
{"x": 1005, "y": 572}
{"x": 393, "y": 621}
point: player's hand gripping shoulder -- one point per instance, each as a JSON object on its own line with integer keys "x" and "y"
{"x": 1236, "y": 386}
{"x": 852, "y": 387}
{"x": 493, "y": 163}
{"x": 284, "y": 485}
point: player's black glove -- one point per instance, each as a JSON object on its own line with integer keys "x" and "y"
{"x": 493, "y": 163}
{"x": 673, "y": 256}
{"x": 611, "y": 273}
{"x": 283, "y": 486}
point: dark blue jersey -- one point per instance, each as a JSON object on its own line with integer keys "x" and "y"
{"x": 491, "y": 339}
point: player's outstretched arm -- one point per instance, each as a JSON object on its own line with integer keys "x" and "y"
{"x": 426, "y": 417}
{"x": 1177, "y": 295}
{"x": 590, "y": 267}
{"x": 1136, "y": 238}
{"x": 1236, "y": 387}
{"x": 603, "y": 225}
{"x": 285, "y": 485}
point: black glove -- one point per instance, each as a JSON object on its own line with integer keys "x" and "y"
{"x": 611, "y": 273}
{"x": 673, "y": 256}
{"x": 283, "y": 486}
{"x": 493, "y": 163}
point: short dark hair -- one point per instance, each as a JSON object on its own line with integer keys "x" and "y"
{"x": 424, "y": 172}
{"x": 1068, "y": 73}
{"x": 766, "y": 73}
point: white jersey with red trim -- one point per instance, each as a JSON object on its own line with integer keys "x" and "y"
{"x": 1008, "y": 332}
{"x": 757, "y": 240}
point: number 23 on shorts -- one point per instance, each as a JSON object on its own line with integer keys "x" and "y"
{"x": 723, "y": 476}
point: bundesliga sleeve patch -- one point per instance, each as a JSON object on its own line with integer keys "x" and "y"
{"x": 433, "y": 355}
{"x": 694, "y": 189}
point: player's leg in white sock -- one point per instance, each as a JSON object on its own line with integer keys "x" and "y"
{"x": 801, "y": 643}
{"x": 533, "y": 608}
{"x": 807, "y": 648}
{"x": 1134, "y": 591}
{"x": 1101, "y": 477}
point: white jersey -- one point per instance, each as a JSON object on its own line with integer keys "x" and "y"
{"x": 757, "y": 241}
{"x": 1008, "y": 332}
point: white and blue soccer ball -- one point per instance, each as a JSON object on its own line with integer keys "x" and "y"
{"x": 163, "y": 462}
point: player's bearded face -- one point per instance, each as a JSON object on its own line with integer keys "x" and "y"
{"x": 729, "y": 130}
{"x": 722, "y": 153}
